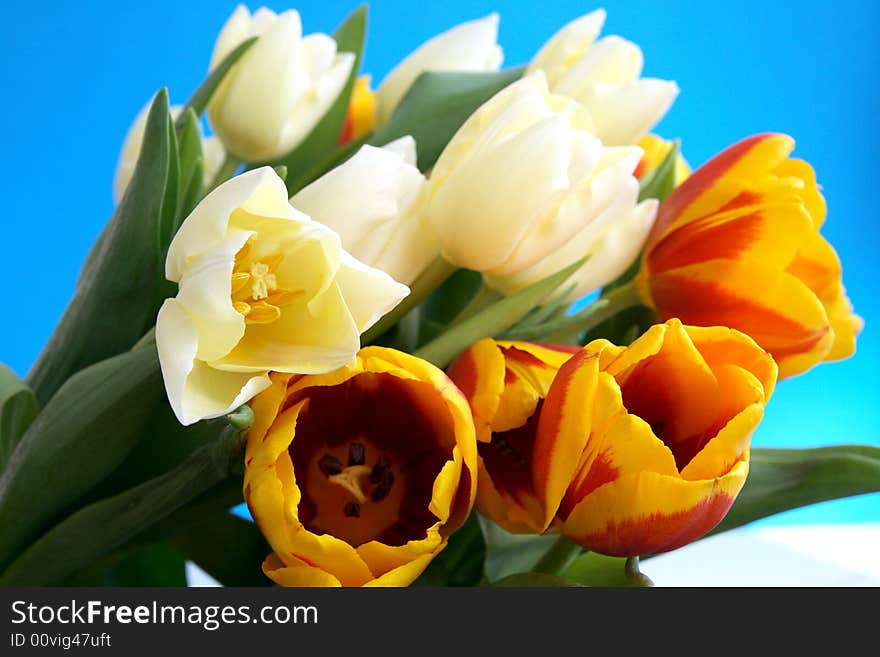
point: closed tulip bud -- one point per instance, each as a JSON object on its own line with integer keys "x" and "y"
{"x": 361, "y": 117}
{"x": 632, "y": 450}
{"x": 358, "y": 477}
{"x": 280, "y": 88}
{"x": 604, "y": 75}
{"x": 656, "y": 149}
{"x": 374, "y": 202}
{"x": 468, "y": 47}
{"x": 261, "y": 287}
{"x": 524, "y": 178}
{"x": 212, "y": 153}
{"x": 738, "y": 244}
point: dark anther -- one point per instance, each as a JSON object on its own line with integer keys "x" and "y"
{"x": 330, "y": 465}
{"x": 387, "y": 478}
{"x": 352, "y": 510}
{"x": 379, "y": 493}
{"x": 382, "y": 465}
{"x": 356, "y": 454}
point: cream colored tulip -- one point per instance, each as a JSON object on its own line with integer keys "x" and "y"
{"x": 604, "y": 76}
{"x": 468, "y": 47}
{"x": 212, "y": 152}
{"x": 612, "y": 236}
{"x": 262, "y": 288}
{"x": 522, "y": 178}
{"x": 374, "y": 201}
{"x": 281, "y": 87}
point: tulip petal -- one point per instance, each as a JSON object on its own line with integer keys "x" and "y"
{"x": 728, "y": 448}
{"x": 195, "y": 390}
{"x": 303, "y": 575}
{"x": 479, "y": 373}
{"x": 624, "y": 113}
{"x": 567, "y": 45}
{"x": 369, "y": 293}
{"x": 776, "y": 309}
{"x": 382, "y": 559}
{"x": 405, "y": 574}
{"x": 648, "y": 513}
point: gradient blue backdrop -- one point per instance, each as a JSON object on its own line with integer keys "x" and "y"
{"x": 74, "y": 75}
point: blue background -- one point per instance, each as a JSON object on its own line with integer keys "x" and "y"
{"x": 75, "y": 74}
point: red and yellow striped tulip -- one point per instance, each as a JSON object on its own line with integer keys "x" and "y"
{"x": 361, "y": 116}
{"x": 359, "y": 476}
{"x": 505, "y": 384}
{"x": 655, "y": 151}
{"x": 631, "y": 450}
{"x": 738, "y": 245}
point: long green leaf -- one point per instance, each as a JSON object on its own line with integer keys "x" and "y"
{"x": 322, "y": 140}
{"x": 114, "y": 302}
{"x": 101, "y": 528}
{"x": 159, "y": 564}
{"x": 202, "y": 96}
{"x": 783, "y": 479}
{"x": 192, "y": 172}
{"x": 228, "y": 548}
{"x": 461, "y": 561}
{"x": 494, "y": 320}
{"x": 18, "y": 407}
{"x": 437, "y": 105}
{"x": 660, "y": 182}
{"x": 508, "y": 553}
{"x": 83, "y": 433}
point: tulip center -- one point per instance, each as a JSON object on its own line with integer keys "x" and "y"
{"x": 365, "y": 457}
{"x": 256, "y": 294}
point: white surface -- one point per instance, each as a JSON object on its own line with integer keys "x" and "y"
{"x": 800, "y": 555}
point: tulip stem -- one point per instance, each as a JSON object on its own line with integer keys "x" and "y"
{"x": 428, "y": 281}
{"x": 225, "y": 172}
{"x": 558, "y": 557}
{"x": 637, "y": 576}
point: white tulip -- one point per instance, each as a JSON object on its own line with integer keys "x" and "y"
{"x": 468, "y": 47}
{"x": 212, "y": 152}
{"x": 279, "y": 89}
{"x": 612, "y": 238}
{"x": 262, "y": 288}
{"x": 604, "y": 76}
{"x": 374, "y": 202}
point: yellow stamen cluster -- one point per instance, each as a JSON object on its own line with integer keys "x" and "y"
{"x": 255, "y": 291}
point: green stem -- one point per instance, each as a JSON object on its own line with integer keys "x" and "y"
{"x": 226, "y": 171}
{"x": 558, "y": 557}
{"x": 428, "y": 281}
{"x": 632, "y": 571}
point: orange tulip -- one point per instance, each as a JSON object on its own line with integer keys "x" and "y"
{"x": 359, "y": 476}
{"x": 506, "y": 383}
{"x": 632, "y": 450}
{"x": 738, "y": 245}
{"x": 361, "y": 115}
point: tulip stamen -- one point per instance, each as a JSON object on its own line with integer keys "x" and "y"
{"x": 350, "y": 480}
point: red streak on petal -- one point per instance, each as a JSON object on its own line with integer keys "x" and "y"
{"x": 659, "y": 532}
{"x": 602, "y": 471}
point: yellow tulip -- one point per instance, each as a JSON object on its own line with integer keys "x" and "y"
{"x": 262, "y": 287}
{"x": 358, "y": 477}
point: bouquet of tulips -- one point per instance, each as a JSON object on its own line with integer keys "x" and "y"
{"x": 478, "y": 326}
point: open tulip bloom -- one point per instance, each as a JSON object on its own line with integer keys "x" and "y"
{"x": 363, "y": 313}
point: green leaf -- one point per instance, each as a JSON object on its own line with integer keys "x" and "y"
{"x": 83, "y": 434}
{"x": 494, "y": 320}
{"x": 350, "y": 37}
{"x": 783, "y": 479}
{"x": 159, "y": 564}
{"x": 437, "y": 105}
{"x": 18, "y": 408}
{"x": 100, "y": 528}
{"x": 230, "y": 549}
{"x": 535, "y": 579}
{"x": 660, "y": 182}
{"x": 461, "y": 561}
{"x": 192, "y": 172}
{"x": 508, "y": 553}
{"x": 114, "y": 303}
{"x": 593, "y": 569}
{"x": 199, "y": 100}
